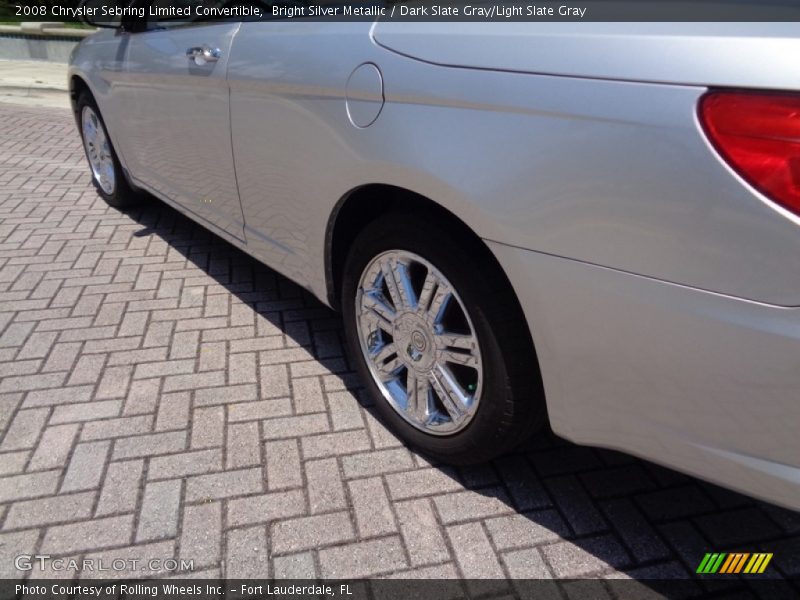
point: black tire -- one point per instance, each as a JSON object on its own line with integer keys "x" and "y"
{"x": 512, "y": 405}
{"x": 123, "y": 195}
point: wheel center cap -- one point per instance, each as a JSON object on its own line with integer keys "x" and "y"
{"x": 418, "y": 341}
{"x": 415, "y": 342}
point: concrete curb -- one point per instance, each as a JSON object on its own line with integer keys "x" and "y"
{"x": 36, "y": 83}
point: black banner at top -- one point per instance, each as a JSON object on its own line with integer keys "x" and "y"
{"x": 110, "y": 11}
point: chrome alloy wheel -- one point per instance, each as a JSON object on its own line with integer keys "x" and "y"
{"x": 98, "y": 150}
{"x": 419, "y": 342}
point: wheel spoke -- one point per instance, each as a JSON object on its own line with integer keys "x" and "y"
{"x": 371, "y": 321}
{"x": 450, "y": 393}
{"x": 395, "y": 274}
{"x": 418, "y": 397}
{"x": 375, "y": 304}
{"x": 386, "y": 363}
{"x": 439, "y": 303}
{"x": 391, "y": 284}
{"x": 457, "y": 340}
{"x": 459, "y": 358}
{"x": 428, "y": 286}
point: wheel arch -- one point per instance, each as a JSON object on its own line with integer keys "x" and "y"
{"x": 77, "y": 85}
{"x": 362, "y": 205}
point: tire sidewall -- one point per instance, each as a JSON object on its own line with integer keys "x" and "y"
{"x": 441, "y": 251}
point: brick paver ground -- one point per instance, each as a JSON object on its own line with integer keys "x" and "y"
{"x": 162, "y": 395}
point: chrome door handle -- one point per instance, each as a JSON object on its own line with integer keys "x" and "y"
{"x": 203, "y": 54}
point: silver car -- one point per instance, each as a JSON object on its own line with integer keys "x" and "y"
{"x": 588, "y": 226}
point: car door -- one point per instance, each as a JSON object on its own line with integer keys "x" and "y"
{"x": 176, "y": 99}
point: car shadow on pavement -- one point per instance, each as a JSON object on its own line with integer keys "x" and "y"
{"x": 550, "y": 508}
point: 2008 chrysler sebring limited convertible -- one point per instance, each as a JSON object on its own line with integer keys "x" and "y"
{"x": 522, "y": 224}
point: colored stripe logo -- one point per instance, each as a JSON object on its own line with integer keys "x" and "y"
{"x": 734, "y": 562}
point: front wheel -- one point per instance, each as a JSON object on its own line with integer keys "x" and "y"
{"x": 439, "y": 341}
{"x": 107, "y": 175}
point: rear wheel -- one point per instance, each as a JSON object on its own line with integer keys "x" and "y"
{"x": 439, "y": 341}
{"x": 107, "y": 175}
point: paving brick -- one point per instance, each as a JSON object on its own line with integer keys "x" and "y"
{"x": 201, "y": 534}
{"x": 307, "y": 393}
{"x": 520, "y": 530}
{"x": 13, "y": 463}
{"x": 86, "y": 466}
{"x": 737, "y": 527}
{"x": 474, "y": 554}
{"x": 184, "y": 344}
{"x": 249, "y": 411}
{"x": 283, "y": 465}
{"x": 213, "y": 356}
{"x": 377, "y": 462}
{"x": 59, "y": 396}
{"x": 120, "y": 427}
{"x": 274, "y": 381}
{"x": 208, "y": 427}
{"x": 149, "y": 445}
{"x": 114, "y": 383}
{"x": 295, "y": 566}
{"x": 154, "y": 359}
{"x": 345, "y": 411}
{"x": 160, "y": 551}
{"x": 88, "y": 535}
{"x": 422, "y": 482}
{"x": 25, "y": 429}
{"x": 580, "y": 512}
{"x": 265, "y": 507}
{"x": 120, "y": 489}
{"x": 242, "y": 368}
{"x": 159, "y": 514}
{"x": 363, "y": 559}
{"x": 625, "y": 480}
{"x": 674, "y": 503}
{"x": 587, "y": 557}
{"x": 243, "y": 446}
{"x": 296, "y": 426}
{"x": 142, "y": 397}
{"x": 88, "y": 369}
{"x": 62, "y": 357}
{"x": 49, "y": 511}
{"x": 421, "y": 532}
{"x": 469, "y": 505}
{"x": 54, "y": 447}
{"x": 527, "y": 564}
{"x": 636, "y": 533}
{"x": 163, "y": 368}
{"x": 173, "y": 411}
{"x": 185, "y": 463}
{"x": 381, "y": 436}
{"x": 292, "y": 535}
{"x": 331, "y": 444}
{"x": 324, "y": 485}
{"x": 225, "y": 395}
{"x": 372, "y": 508}
{"x": 523, "y": 485}
{"x": 23, "y": 383}
{"x": 8, "y": 404}
{"x": 316, "y": 367}
{"x": 248, "y": 553}
{"x": 89, "y": 411}
{"x": 175, "y": 383}
{"x": 13, "y": 545}
{"x": 224, "y": 485}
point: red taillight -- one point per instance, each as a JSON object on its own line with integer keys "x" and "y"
{"x": 759, "y": 136}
